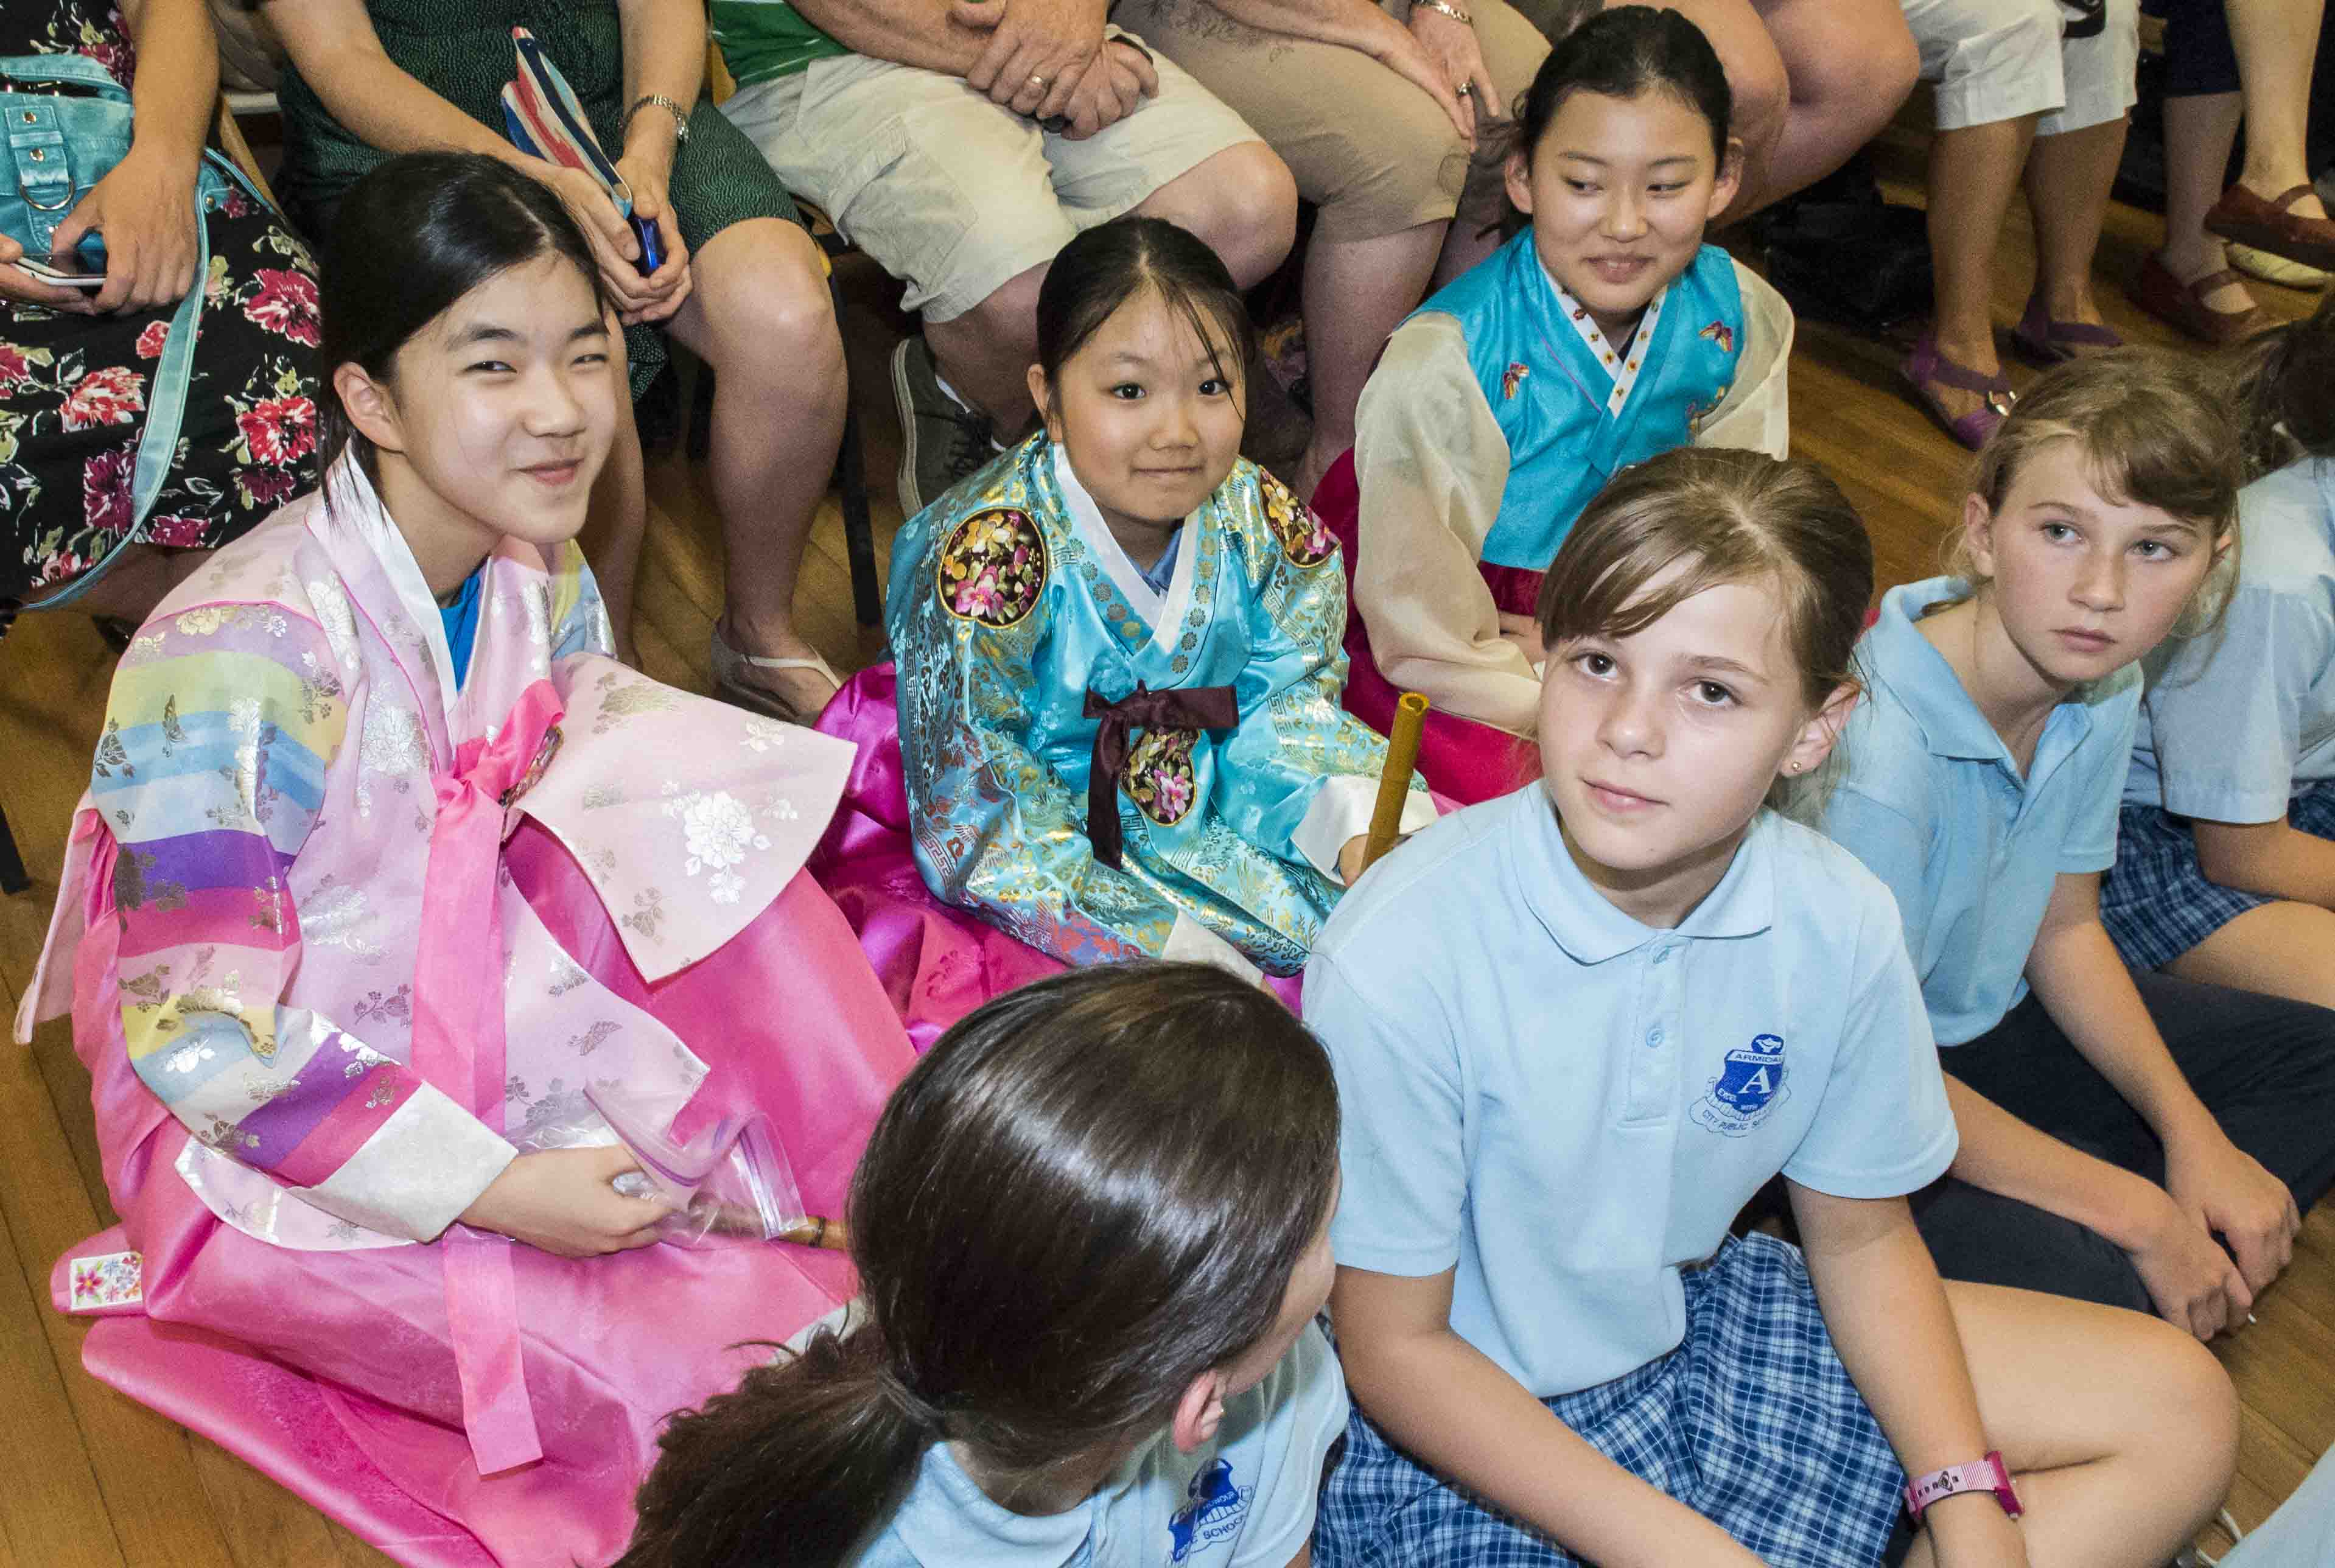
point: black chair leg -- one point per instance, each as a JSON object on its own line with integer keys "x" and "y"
{"x": 12, "y": 865}
{"x": 859, "y": 528}
{"x": 851, "y": 478}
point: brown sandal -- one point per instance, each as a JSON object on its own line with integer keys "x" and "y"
{"x": 2183, "y": 304}
{"x": 2272, "y": 226}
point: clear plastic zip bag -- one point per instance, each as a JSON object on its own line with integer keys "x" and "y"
{"x": 730, "y": 1183}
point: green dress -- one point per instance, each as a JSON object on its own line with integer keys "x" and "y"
{"x": 462, "y": 51}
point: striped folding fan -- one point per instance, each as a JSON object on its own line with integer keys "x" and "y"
{"x": 542, "y": 118}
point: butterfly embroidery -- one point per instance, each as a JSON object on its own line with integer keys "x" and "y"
{"x": 1512, "y": 378}
{"x": 1720, "y": 333}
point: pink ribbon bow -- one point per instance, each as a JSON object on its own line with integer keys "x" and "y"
{"x": 458, "y": 1048}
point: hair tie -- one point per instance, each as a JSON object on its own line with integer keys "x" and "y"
{"x": 919, "y": 1412}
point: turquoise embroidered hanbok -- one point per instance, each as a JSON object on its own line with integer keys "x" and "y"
{"x": 1107, "y": 768}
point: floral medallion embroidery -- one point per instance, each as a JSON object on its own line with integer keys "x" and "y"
{"x": 1158, "y": 774}
{"x": 1303, "y": 538}
{"x": 108, "y": 1280}
{"x": 1512, "y": 379}
{"x": 1720, "y": 333}
{"x": 993, "y": 567}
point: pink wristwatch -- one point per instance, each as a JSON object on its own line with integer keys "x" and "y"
{"x": 1987, "y": 1475}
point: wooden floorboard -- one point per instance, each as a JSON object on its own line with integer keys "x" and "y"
{"x": 100, "y": 1482}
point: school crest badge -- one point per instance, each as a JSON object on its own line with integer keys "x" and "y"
{"x": 1214, "y": 1507}
{"x": 1749, "y": 1085}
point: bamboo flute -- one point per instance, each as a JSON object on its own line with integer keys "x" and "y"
{"x": 1394, "y": 782}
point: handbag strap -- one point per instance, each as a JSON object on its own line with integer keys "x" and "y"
{"x": 166, "y": 407}
{"x": 77, "y": 69}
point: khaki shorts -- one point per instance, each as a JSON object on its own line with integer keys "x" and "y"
{"x": 1370, "y": 149}
{"x": 956, "y": 196}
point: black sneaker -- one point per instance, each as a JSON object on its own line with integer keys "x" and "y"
{"x": 942, "y": 441}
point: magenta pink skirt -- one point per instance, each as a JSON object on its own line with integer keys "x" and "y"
{"x": 333, "y": 1371}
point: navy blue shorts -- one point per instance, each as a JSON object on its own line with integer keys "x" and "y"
{"x": 1752, "y": 1422}
{"x": 2156, "y": 901}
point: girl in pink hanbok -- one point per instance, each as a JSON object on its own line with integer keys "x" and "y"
{"x": 395, "y": 898}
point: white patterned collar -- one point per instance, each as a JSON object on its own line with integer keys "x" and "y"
{"x": 1164, "y": 611}
{"x": 351, "y": 501}
{"x": 1620, "y": 364}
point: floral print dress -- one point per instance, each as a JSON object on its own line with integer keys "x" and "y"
{"x": 73, "y": 388}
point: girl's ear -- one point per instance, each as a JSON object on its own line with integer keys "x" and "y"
{"x": 1515, "y": 172}
{"x": 1978, "y": 533}
{"x": 1042, "y": 394}
{"x": 370, "y": 406}
{"x": 1730, "y": 176}
{"x": 1199, "y": 1412}
{"x": 1822, "y": 731}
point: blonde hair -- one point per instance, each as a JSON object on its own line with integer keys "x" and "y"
{"x": 1726, "y": 516}
{"x": 2156, "y": 429}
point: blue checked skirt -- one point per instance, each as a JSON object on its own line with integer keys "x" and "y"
{"x": 1752, "y": 1422}
{"x": 2156, "y": 900}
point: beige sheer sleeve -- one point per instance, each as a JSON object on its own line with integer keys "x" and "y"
{"x": 1431, "y": 464}
{"x": 1757, "y": 412}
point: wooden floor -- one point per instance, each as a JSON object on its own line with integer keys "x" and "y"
{"x": 101, "y": 1482}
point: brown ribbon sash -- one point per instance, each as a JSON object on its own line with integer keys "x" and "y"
{"x": 1181, "y": 708}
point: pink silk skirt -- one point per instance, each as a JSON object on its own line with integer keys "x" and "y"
{"x": 333, "y": 1370}
{"x": 1458, "y": 758}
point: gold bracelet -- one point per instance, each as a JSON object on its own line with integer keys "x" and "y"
{"x": 1462, "y": 17}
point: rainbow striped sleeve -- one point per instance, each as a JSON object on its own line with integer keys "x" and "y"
{"x": 210, "y": 772}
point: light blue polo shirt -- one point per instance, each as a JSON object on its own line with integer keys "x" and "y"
{"x": 2241, "y": 719}
{"x": 1565, "y": 1107}
{"x": 1243, "y": 1500}
{"x": 1933, "y": 805}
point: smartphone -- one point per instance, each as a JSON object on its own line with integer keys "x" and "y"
{"x": 652, "y": 250}
{"x": 68, "y": 270}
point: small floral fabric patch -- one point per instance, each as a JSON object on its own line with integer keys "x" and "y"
{"x": 993, "y": 567}
{"x": 1158, "y": 776}
{"x": 108, "y": 1280}
{"x": 1303, "y": 538}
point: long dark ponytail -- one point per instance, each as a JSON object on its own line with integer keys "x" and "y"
{"x": 1091, "y": 1191}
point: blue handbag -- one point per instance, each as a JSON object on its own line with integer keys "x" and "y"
{"x": 60, "y": 145}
